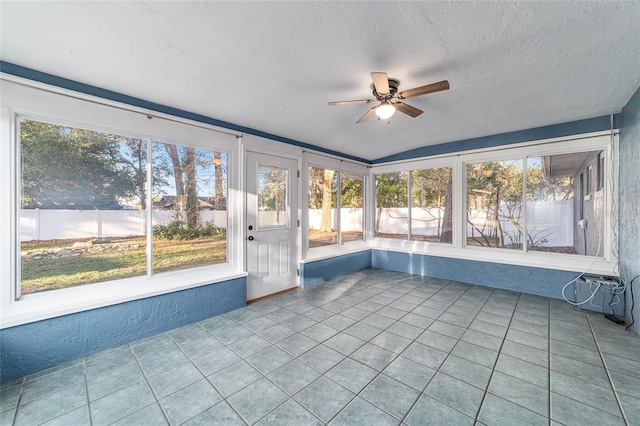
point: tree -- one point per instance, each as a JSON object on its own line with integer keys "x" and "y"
{"x": 497, "y": 188}
{"x": 391, "y": 191}
{"x": 272, "y": 195}
{"x": 352, "y": 193}
{"x": 327, "y": 200}
{"x": 70, "y": 168}
{"x": 193, "y": 204}
{"x": 431, "y": 189}
{"x": 135, "y": 160}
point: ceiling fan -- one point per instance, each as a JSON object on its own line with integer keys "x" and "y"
{"x": 385, "y": 90}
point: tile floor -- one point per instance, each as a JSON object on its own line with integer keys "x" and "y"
{"x": 372, "y": 348}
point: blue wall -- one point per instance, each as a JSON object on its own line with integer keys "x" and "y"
{"x": 32, "y": 347}
{"x": 540, "y": 281}
{"x": 596, "y": 124}
{"x": 629, "y": 200}
{"x": 317, "y": 272}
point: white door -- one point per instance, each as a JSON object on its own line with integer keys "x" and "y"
{"x": 271, "y": 226}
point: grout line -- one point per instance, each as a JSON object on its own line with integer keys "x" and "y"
{"x": 15, "y": 414}
{"x": 493, "y": 368}
{"x": 549, "y": 359}
{"x": 86, "y": 387}
{"x": 606, "y": 369}
{"x": 449, "y": 353}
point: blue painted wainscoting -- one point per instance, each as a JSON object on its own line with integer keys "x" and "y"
{"x": 525, "y": 279}
{"x": 28, "y": 348}
{"x": 319, "y": 271}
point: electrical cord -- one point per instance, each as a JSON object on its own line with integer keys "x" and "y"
{"x": 593, "y": 293}
{"x": 633, "y": 320}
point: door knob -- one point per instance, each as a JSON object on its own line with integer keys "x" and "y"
{"x": 250, "y": 238}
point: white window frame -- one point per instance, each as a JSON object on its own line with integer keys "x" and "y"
{"x": 326, "y": 162}
{"x": 424, "y": 165}
{"x": 41, "y": 102}
{"x": 598, "y": 141}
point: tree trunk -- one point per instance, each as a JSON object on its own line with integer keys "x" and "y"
{"x": 172, "y": 150}
{"x": 193, "y": 207}
{"x": 217, "y": 164}
{"x": 447, "y": 222}
{"x": 325, "y": 225}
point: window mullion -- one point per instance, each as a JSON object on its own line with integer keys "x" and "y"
{"x": 409, "y": 205}
{"x": 148, "y": 213}
{"x": 339, "y": 207}
{"x": 524, "y": 214}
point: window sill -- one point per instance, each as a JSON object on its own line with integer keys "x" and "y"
{"x": 39, "y": 306}
{"x": 557, "y": 261}
{"x": 327, "y": 252}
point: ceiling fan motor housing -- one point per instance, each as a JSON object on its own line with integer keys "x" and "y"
{"x": 393, "y": 89}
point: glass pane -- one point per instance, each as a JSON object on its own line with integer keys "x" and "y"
{"x": 557, "y": 221}
{"x": 189, "y": 207}
{"x": 82, "y": 206}
{"x": 273, "y": 197}
{"x": 351, "y": 212}
{"x": 431, "y": 205}
{"x": 392, "y": 205}
{"x": 323, "y": 193}
{"x": 494, "y": 204}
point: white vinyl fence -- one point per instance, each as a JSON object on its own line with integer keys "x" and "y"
{"x": 552, "y": 220}
{"x": 45, "y": 224}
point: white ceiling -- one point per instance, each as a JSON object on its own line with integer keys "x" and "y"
{"x": 273, "y": 66}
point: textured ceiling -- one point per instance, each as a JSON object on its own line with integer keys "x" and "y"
{"x": 273, "y": 66}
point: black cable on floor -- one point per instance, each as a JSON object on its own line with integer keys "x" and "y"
{"x": 632, "y": 302}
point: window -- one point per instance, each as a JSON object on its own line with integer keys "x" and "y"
{"x": 601, "y": 171}
{"x": 494, "y": 204}
{"x": 272, "y": 197}
{"x": 550, "y": 202}
{"x": 351, "y": 207}
{"x": 415, "y": 205}
{"x": 431, "y": 205}
{"x": 85, "y": 205}
{"x": 533, "y": 209}
{"x": 336, "y": 201}
{"x": 189, "y": 207}
{"x": 392, "y": 205}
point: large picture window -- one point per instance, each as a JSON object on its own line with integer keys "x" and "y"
{"x": 85, "y": 205}
{"x": 535, "y": 209}
{"x": 415, "y": 205}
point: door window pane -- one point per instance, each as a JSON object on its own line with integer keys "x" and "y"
{"x": 431, "y": 205}
{"x": 273, "y": 197}
{"x": 391, "y": 205}
{"x": 351, "y": 211}
{"x": 557, "y": 221}
{"x": 82, "y": 206}
{"x": 494, "y": 204}
{"x": 189, "y": 207}
{"x": 323, "y": 200}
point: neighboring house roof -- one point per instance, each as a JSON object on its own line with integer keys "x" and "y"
{"x": 168, "y": 202}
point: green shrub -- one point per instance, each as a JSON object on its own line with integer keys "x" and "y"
{"x": 177, "y": 229}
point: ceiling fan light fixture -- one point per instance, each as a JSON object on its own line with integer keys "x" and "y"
{"x": 385, "y": 111}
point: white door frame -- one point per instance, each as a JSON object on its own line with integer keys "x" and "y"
{"x": 294, "y": 235}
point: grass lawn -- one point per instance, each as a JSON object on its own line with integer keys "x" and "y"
{"x": 110, "y": 264}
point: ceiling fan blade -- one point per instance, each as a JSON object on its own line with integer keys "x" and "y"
{"x": 423, "y": 90}
{"x": 361, "y": 101}
{"x": 380, "y": 82}
{"x": 407, "y": 109}
{"x": 367, "y": 115}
